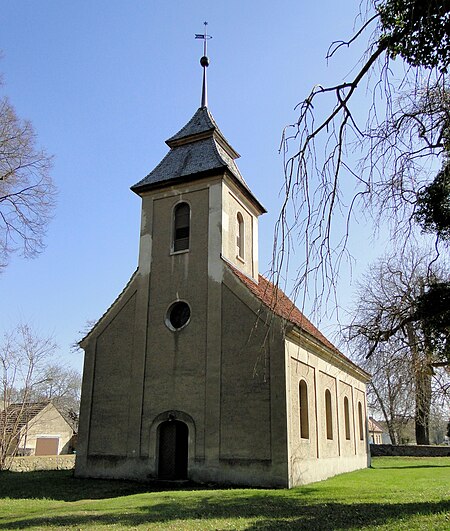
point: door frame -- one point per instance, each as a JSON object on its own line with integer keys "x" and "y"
{"x": 154, "y": 439}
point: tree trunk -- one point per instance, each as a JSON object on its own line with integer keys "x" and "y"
{"x": 423, "y": 403}
{"x": 422, "y": 378}
{"x": 423, "y": 399}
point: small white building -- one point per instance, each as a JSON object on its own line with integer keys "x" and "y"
{"x": 39, "y": 429}
{"x": 375, "y": 432}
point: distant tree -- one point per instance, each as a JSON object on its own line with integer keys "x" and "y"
{"x": 62, "y": 386}
{"x": 378, "y": 159}
{"x": 387, "y": 328}
{"x": 390, "y": 393}
{"x": 438, "y": 425}
{"x": 28, "y": 375}
{"x": 432, "y": 310}
{"x": 27, "y": 193}
{"x": 23, "y": 358}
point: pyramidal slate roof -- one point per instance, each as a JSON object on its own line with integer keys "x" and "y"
{"x": 202, "y": 122}
{"x": 197, "y": 150}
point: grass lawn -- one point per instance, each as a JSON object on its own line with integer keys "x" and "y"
{"x": 396, "y": 493}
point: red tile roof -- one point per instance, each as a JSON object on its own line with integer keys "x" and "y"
{"x": 280, "y": 304}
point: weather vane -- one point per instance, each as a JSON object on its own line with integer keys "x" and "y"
{"x": 204, "y": 61}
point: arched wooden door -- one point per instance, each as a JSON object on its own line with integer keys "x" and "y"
{"x": 173, "y": 450}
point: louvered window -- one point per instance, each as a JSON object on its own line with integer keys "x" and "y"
{"x": 182, "y": 220}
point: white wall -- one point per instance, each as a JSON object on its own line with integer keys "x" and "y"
{"x": 318, "y": 457}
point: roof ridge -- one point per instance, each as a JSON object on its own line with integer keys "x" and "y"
{"x": 219, "y": 158}
{"x": 231, "y": 164}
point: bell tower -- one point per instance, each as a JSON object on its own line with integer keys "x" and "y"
{"x": 200, "y": 156}
{"x": 162, "y": 343}
{"x": 198, "y": 214}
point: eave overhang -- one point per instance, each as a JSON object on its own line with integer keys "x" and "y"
{"x": 299, "y": 336}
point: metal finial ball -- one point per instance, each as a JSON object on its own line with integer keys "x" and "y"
{"x": 204, "y": 61}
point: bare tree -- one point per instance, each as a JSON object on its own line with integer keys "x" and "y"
{"x": 386, "y": 330}
{"x": 390, "y": 393}
{"x": 366, "y": 147}
{"x": 61, "y": 386}
{"x": 27, "y": 193}
{"x": 24, "y": 357}
{"x": 438, "y": 424}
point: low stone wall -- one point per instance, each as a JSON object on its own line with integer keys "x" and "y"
{"x": 382, "y": 450}
{"x": 47, "y": 462}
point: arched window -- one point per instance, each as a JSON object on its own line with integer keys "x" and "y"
{"x": 181, "y": 227}
{"x": 328, "y": 415}
{"x": 361, "y": 424}
{"x": 303, "y": 407}
{"x": 240, "y": 235}
{"x": 346, "y": 418}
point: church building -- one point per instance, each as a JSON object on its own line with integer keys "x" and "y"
{"x": 203, "y": 369}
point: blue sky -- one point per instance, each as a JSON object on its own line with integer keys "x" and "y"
{"x": 105, "y": 83}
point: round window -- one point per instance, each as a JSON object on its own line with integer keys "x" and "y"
{"x": 178, "y": 315}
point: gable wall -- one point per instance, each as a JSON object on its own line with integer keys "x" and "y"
{"x": 109, "y": 421}
{"x": 48, "y": 423}
{"x": 253, "y": 429}
{"x": 135, "y": 367}
{"x": 245, "y": 383}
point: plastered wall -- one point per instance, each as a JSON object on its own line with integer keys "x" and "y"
{"x": 48, "y": 423}
{"x": 319, "y": 456}
{"x": 245, "y": 383}
{"x": 112, "y": 386}
{"x": 175, "y": 365}
{"x": 228, "y": 375}
{"x": 234, "y": 203}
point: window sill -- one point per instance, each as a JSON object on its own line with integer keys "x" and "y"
{"x": 183, "y": 251}
{"x": 240, "y": 259}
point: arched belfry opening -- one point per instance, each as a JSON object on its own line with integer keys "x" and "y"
{"x": 173, "y": 450}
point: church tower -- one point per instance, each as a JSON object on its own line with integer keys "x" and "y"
{"x": 158, "y": 370}
{"x": 201, "y": 160}
{"x": 186, "y": 375}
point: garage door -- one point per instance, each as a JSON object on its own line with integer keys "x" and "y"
{"x": 47, "y": 446}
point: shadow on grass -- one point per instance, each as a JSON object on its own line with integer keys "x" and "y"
{"x": 62, "y": 485}
{"x": 272, "y": 511}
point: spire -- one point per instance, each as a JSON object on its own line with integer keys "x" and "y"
{"x": 204, "y": 61}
